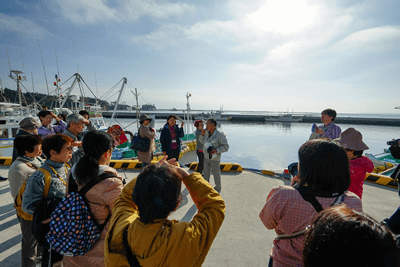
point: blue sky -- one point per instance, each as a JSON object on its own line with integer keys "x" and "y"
{"x": 276, "y": 55}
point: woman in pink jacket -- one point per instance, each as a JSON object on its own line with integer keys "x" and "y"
{"x": 324, "y": 178}
{"x": 98, "y": 147}
{"x": 351, "y": 140}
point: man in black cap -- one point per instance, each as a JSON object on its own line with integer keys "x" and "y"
{"x": 28, "y": 125}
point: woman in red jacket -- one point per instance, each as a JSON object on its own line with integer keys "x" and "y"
{"x": 351, "y": 140}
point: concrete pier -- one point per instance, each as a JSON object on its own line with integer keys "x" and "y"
{"x": 242, "y": 241}
{"x": 260, "y": 117}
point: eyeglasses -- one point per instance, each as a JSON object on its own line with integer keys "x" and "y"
{"x": 68, "y": 148}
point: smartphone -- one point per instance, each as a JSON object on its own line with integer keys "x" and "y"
{"x": 314, "y": 128}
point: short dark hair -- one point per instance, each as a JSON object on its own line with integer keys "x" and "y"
{"x": 339, "y": 233}
{"x": 94, "y": 144}
{"x": 358, "y": 153}
{"x": 330, "y": 112}
{"x": 324, "y": 167}
{"x": 26, "y": 142}
{"x": 54, "y": 142}
{"x": 213, "y": 121}
{"x": 157, "y": 192}
{"x": 170, "y": 116}
{"x": 43, "y": 113}
{"x": 83, "y": 112}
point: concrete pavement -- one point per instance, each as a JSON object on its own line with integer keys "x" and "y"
{"x": 242, "y": 241}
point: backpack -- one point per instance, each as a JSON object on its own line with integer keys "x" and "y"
{"x": 18, "y": 199}
{"x": 72, "y": 228}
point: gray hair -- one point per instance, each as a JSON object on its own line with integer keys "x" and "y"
{"x": 75, "y": 118}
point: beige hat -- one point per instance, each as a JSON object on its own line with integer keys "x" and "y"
{"x": 144, "y": 117}
{"x": 352, "y": 139}
{"x": 29, "y": 123}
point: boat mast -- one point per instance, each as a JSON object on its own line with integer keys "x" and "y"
{"x": 189, "y": 113}
{"x": 77, "y": 76}
{"x": 2, "y": 94}
{"x": 119, "y": 98}
{"x": 137, "y": 107}
{"x": 18, "y": 78}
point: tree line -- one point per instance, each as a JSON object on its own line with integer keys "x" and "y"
{"x": 50, "y": 101}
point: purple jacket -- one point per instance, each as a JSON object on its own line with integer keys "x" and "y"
{"x": 52, "y": 129}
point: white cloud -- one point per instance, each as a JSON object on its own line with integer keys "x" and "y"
{"x": 378, "y": 39}
{"x": 284, "y": 16}
{"x": 22, "y": 26}
{"x": 101, "y": 11}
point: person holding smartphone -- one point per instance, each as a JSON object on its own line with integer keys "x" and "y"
{"x": 329, "y": 129}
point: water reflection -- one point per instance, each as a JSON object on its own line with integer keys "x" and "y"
{"x": 274, "y": 145}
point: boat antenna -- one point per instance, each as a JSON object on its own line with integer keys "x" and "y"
{"x": 44, "y": 70}
{"x": 33, "y": 88}
{"x": 55, "y": 52}
{"x": 9, "y": 65}
{"x": 23, "y": 65}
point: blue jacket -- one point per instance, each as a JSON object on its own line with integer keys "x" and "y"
{"x": 166, "y": 140}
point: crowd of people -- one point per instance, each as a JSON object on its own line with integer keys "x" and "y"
{"x": 317, "y": 218}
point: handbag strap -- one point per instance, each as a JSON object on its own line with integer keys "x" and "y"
{"x": 305, "y": 194}
{"x": 132, "y": 260}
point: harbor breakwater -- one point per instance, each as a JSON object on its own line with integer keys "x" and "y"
{"x": 261, "y": 118}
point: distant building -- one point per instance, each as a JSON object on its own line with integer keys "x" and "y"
{"x": 148, "y": 107}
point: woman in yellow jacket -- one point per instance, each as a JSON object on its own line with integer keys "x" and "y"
{"x": 152, "y": 238}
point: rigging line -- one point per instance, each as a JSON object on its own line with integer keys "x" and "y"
{"x": 89, "y": 88}
{"x": 128, "y": 125}
{"x": 34, "y": 100}
{"x": 45, "y": 76}
{"x": 67, "y": 80}
{"x": 47, "y": 96}
{"x": 112, "y": 88}
{"x": 144, "y": 100}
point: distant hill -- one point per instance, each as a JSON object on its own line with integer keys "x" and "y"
{"x": 49, "y": 101}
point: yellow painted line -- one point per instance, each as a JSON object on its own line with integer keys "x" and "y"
{"x": 381, "y": 179}
{"x": 5, "y": 161}
{"x": 224, "y": 166}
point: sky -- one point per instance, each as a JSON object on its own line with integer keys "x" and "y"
{"x": 275, "y": 55}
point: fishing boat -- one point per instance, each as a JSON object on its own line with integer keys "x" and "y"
{"x": 215, "y": 115}
{"x": 11, "y": 114}
{"x": 285, "y": 117}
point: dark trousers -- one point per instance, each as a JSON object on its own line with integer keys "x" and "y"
{"x": 200, "y": 166}
{"x": 174, "y": 154}
{"x": 29, "y": 246}
{"x": 55, "y": 257}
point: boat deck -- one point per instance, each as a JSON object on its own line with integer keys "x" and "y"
{"x": 242, "y": 241}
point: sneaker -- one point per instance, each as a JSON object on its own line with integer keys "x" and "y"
{"x": 3, "y": 178}
{"x": 218, "y": 190}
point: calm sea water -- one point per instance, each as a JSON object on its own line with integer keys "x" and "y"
{"x": 274, "y": 145}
